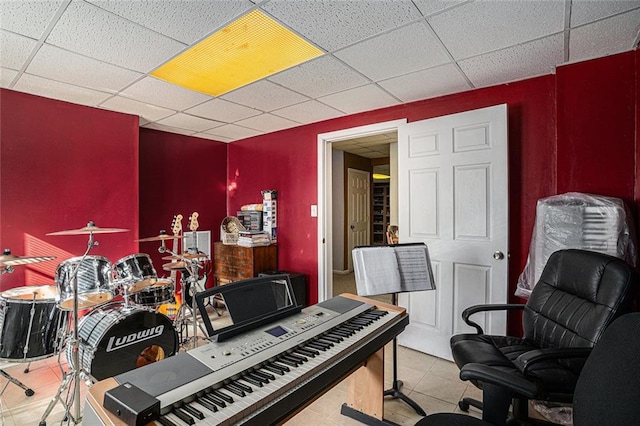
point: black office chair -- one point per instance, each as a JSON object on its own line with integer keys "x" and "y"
{"x": 578, "y": 295}
{"x": 608, "y": 389}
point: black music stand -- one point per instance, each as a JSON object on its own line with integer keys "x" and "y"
{"x": 393, "y": 269}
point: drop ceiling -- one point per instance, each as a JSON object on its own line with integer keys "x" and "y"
{"x": 376, "y": 54}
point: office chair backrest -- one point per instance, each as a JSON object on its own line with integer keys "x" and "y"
{"x": 578, "y": 295}
{"x": 608, "y": 389}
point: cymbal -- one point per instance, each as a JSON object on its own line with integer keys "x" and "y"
{"x": 160, "y": 237}
{"x": 187, "y": 256}
{"x": 174, "y": 266}
{"x": 91, "y": 228}
{"x": 8, "y": 259}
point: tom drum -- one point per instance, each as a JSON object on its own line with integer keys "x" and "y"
{"x": 95, "y": 285}
{"x": 135, "y": 271}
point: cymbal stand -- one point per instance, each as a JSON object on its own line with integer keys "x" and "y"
{"x": 182, "y": 315}
{"x": 71, "y": 379}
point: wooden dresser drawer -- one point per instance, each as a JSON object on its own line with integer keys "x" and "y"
{"x": 233, "y": 263}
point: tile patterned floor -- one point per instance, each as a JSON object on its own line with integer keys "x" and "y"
{"x": 431, "y": 382}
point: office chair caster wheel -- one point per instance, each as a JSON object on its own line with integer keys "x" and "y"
{"x": 29, "y": 392}
{"x": 464, "y": 406}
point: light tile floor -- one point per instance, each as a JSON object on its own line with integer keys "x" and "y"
{"x": 431, "y": 382}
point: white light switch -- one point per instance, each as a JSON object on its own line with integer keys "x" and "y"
{"x": 314, "y": 210}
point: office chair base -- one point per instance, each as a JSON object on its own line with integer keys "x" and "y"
{"x": 465, "y": 403}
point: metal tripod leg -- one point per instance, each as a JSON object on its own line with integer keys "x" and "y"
{"x": 63, "y": 387}
{"x": 27, "y": 391}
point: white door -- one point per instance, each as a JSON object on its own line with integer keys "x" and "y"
{"x": 359, "y": 200}
{"x": 452, "y": 195}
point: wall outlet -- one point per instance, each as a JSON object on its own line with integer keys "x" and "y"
{"x": 314, "y": 210}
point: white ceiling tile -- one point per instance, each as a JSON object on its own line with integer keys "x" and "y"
{"x": 169, "y": 129}
{"x": 58, "y": 64}
{"x": 335, "y": 24}
{"x": 265, "y": 96}
{"x": 585, "y": 11}
{"x": 212, "y": 137}
{"x": 308, "y": 112}
{"x": 7, "y": 76}
{"x": 606, "y": 37}
{"x": 94, "y": 32}
{"x": 221, "y": 110}
{"x": 28, "y": 18}
{"x": 185, "y": 121}
{"x": 402, "y": 51}
{"x": 184, "y": 20}
{"x": 481, "y": 27}
{"x": 15, "y": 49}
{"x": 515, "y": 63}
{"x": 319, "y": 77}
{"x": 365, "y": 98}
{"x": 233, "y": 132}
{"x": 267, "y": 123}
{"x": 429, "y": 7}
{"x": 157, "y": 92}
{"x": 129, "y": 106}
{"x": 61, "y": 91}
{"x": 426, "y": 84}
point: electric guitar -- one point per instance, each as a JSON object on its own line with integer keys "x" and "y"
{"x": 171, "y": 309}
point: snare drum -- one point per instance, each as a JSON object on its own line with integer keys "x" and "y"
{"x": 157, "y": 294}
{"x": 114, "y": 339}
{"x": 95, "y": 285}
{"x": 31, "y": 326}
{"x": 135, "y": 271}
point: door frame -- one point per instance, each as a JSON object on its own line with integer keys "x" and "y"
{"x": 325, "y": 174}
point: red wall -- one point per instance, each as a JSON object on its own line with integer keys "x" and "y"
{"x": 63, "y": 165}
{"x": 567, "y": 132}
{"x": 179, "y": 175}
{"x": 596, "y": 126}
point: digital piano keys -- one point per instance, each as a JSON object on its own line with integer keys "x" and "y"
{"x": 267, "y": 375}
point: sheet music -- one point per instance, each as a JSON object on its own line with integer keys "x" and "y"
{"x": 376, "y": 270}
{"x": 392, "y": 269}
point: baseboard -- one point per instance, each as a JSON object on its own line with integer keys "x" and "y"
{"x": 344, "y": 272}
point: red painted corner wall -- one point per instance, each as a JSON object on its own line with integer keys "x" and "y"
{"x": 180, "y": 175}
{"x": 62, "y": 165}
{"x": 596, "y": 126}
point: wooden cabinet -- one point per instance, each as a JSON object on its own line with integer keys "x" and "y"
{"x": 234, "y": 263}
{"x": 380, "y": 212}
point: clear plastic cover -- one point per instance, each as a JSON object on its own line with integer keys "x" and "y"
{"x": 577, "y": 220}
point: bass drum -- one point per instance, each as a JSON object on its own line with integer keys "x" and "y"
{"x": 115, "y": 339}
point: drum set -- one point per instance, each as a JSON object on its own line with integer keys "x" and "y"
{"x": 121, "y": 328}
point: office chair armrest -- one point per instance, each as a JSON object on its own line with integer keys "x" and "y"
{"x": 488, "y": 374}
{"x": 483, "y": 308}
{"x": 528, "y": 359}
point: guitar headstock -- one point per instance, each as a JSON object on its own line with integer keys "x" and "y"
{"x": 193, "y": 221}
{"x": 176, "y": 225}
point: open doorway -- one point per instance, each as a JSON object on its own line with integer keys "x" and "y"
{"x": 371, "y": 148}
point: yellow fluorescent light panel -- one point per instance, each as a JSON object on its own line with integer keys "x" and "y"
{"x": 251, "y": 48}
